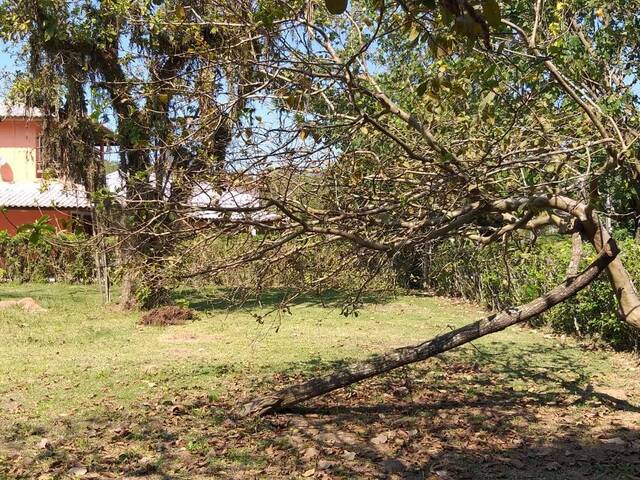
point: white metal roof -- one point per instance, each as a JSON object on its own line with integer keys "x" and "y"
{"x": 205, "y": 201}
{"x": 43, "y": 195}
{"x": 19, "y": 111}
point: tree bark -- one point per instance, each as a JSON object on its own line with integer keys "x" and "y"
{"x": 621, "y": 282}
{"x": 385, "y": 362}
{"x": 593, "y": 230}
{"x": 576, "y": 254}
{"x": 128, "y": 263}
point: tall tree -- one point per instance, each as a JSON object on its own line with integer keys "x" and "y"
{"x": 172, "y": 77}
{"x": 391, "y": 126}
{"x": 424, "y": 121}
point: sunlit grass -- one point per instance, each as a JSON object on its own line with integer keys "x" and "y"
{"x": 81, "y": 356}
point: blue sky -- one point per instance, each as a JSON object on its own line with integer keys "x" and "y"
{"x": 7, "y": 60}
{"x": 7, "y": 68}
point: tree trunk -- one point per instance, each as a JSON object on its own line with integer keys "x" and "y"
{"x": 128, "y": 300}
{"x": 127, "y": 263}
{"x": 576, "y": 255}
{"x": 383, "y": 363}
{"x": 623, "y": 287}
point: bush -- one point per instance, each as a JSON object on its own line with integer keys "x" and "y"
{"x": 60, "y": 257}
{"x": 326, "y": 266}
{"x": 502, "y": 275}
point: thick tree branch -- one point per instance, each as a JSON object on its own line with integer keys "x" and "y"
{"x": 383, "y": 363}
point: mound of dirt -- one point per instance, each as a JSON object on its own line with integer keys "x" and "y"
{"x": 28, "y": 304}
{"x": 170, "y": 315}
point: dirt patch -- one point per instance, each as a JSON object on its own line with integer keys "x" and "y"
{"x": 27, "y": 304}
{"x": 170, "y": 315}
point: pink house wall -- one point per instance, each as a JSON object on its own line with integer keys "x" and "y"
{"x": 19, "y": 139}
{"x": 20, "y": 133}
{"x": 12, "y": 218}
{"x": 18, "y": 148}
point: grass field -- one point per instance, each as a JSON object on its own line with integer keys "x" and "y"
{"x": 86, "y": 392}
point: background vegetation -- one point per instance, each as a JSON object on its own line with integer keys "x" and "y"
{"x": 451, "y": 268}
{"x": 500, "y": 275}
{"x": 58, "y": 257}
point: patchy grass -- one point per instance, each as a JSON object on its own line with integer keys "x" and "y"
{"x": 120, "y": 399}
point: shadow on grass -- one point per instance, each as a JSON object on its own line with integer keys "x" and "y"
{"x": 442, "y": 450}
{"x": 477, "y": 371}
{"x": 232, "y": 300}
{"x": 457, "y": 416}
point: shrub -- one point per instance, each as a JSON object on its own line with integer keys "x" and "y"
{"x": 502, "y": 275}
{"x": 304, "y": 267}
{"x": 61, "y": 257}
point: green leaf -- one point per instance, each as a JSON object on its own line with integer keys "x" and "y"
{"x": 414, "y": 33}
{"x": 422, "y": 88}
{"x": 491, "y": 12}
{"x": 38, "y": 230}
{"x": 336, "y": 6}
{"x": 488, "y": 99}
{"x": 49, "y": 30}
{"x": 292, "y": 100}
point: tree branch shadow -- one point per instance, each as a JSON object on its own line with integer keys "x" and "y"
{"x": 231, "y": 300}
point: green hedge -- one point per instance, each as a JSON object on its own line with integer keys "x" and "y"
{"x": 334, "y": 265}
{"x": 502, "y": 275}
{"x": 60, "y": 257}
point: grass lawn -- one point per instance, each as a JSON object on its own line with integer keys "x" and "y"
{"x": 86, "y": 392}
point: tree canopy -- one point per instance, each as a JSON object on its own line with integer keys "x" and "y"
{"x": 381, "y": 126}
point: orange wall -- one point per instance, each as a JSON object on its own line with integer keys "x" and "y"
{"x": 14, "y": 217}
{"x": 19, "y": 147}
{"x": 20, "y": 133}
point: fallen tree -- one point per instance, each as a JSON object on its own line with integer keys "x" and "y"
{"x": 379, "y": 364}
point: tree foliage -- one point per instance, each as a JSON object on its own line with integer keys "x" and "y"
{"x": 173, "y": 78}
{"x": 387, "y": 125}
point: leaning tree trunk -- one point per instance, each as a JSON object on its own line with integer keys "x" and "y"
{"x": 593, "y": 230}
{"x": 622, "y": 283}
{"x": 383, "y": 363}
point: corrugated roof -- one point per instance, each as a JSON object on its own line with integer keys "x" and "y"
{"x": 43, "y": 195}
{"x": 205, "y": 201}
{"x": 19, "y": 111}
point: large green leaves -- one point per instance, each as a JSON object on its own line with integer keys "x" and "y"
{"x": 38, "y": 231}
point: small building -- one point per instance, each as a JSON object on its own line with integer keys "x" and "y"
{"x": 24, "y": 195}
{"x": 206, "y": 202}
